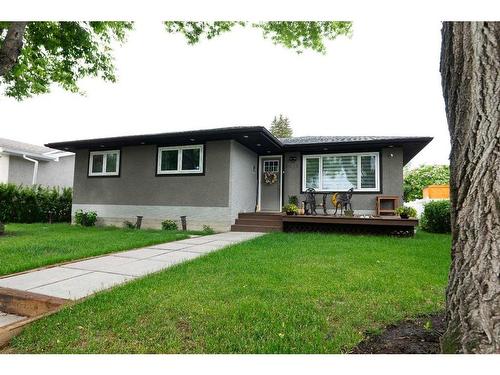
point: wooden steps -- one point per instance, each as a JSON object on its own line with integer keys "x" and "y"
{"x": 258, "y": 222}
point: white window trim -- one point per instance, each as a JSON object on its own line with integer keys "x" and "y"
{"x": 104, "y": 161}
{"x": 358, "y": 154}
{"x": 179, "y": 160}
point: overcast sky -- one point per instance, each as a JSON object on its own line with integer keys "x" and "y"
{"x": 379, "y": 82}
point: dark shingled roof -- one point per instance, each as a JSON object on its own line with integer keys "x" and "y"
{"x": 258, "y": 139}
{"x": 337, "y": 139}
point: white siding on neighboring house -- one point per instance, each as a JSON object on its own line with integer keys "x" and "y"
{"x": 419, "y": 205}
{"x": 4, "y": 168}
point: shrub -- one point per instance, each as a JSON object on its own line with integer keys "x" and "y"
{"x": 34, "y": 204}
{"x": 406, "y": 211}
{"x": 436, "y": 217}
{"x": 169, "y": 225}
{"x": 207, "y": 229}
{"x": 416, "y": 179}
{"x": 293, "y": 199}
{"x": 291, "y": 209}
{"x": 86, "y": 219}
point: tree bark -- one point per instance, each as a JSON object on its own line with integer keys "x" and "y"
{"x": 11, "y": 47}
{"x": 470, "y": 72}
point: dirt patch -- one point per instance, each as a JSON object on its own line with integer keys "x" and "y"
{"x": 416, "y": 336}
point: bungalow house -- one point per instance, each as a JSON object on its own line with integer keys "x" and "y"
{"x": 27, "y": 164}
{"x": 211, "y": 176}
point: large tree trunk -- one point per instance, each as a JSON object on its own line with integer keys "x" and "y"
{"x": 470, "y": 70}
{"x": 11, "y": 46}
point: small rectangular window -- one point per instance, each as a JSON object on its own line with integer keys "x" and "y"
{"x": 104, "y": 163}
{"x": 180, "y": 159}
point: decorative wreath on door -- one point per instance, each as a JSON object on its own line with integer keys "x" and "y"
{"x": 270, "y": 178}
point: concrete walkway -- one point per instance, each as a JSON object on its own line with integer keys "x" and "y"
{"x": 82, "y": 278}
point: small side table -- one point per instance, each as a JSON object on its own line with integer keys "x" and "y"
{"x": 387, "y": 204}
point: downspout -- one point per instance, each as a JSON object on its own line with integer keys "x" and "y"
{"x": 35, "y": 169}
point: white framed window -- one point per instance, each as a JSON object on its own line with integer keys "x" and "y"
{"x": 180, "y": 160}
{"x": 341, "y": 172}
{"x": 104, "y": 163}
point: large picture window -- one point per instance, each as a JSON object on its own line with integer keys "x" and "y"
{"x": 180, "y": 159}
{"x": 104, "y": 163}
{"x": 341, "y": 172}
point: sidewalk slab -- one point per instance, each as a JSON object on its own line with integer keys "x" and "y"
{"x": 197, "y": 240}
{"x": 82, "y": 286}
{"x": 176, "y": 257}
{"x": 29, "y": 280}
{"x": 138, "y": 267}
{"x": 6, "y": 319}
{"x": 100, "y": 263}
{"x": 177, "y": 245}
{"x": 141, "y": 253}
{"x": 209, "y": 246}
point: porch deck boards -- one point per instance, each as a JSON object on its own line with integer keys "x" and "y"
{"x": 268, "y": 222}
{"x": 352, "y": 220}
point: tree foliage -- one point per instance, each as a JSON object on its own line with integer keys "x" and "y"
{"x": 296, "y": 35}
{"x": 61, "y": 53}
{"x": 65, "y": 52}
{"x": 417, "y": 179}
{"x": 280, "y": 127}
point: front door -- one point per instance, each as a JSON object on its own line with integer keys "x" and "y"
{"x": 270, "y": 183}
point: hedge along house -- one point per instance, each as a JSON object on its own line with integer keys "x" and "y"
{"x": 212, "y": 175}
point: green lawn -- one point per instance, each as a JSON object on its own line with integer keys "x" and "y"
{"x": 281, "y": 293}
{"x": 27, "y": 246}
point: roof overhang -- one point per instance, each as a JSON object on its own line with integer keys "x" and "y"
{"x": 256, "y": 138}
{"x": 411, "y": 146}
{"x": 39, "y": 157}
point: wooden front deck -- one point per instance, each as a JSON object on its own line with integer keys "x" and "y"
{"x": 269, "y": 222}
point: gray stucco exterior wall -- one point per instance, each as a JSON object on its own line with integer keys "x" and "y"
{"x": 204, "y": 199}
{"x": 242, "y": 180}
{"x": 57, "y": 173}
{"x": 20, "y": 171}
{"x": 139, "y": 185}
{"x": 50, "y": 173}
{"x": 391, "y": 178}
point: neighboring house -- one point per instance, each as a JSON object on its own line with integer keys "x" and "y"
{"x": 27, "y": 164}
{"x": 212, "y": 175}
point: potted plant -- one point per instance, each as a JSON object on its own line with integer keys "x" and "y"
{"x": 291, "y": 209}
{"x": 302, "y": 210}
{"x": 349, "y": 213}
{"x": 406, "y": 212}
{"x": 293, "y": 199}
